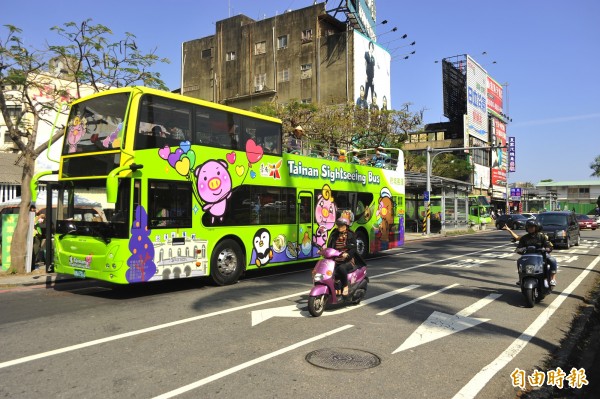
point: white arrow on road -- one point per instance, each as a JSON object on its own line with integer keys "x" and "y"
{"x": 299, "y": 309}
{"x": 440, "y": 325}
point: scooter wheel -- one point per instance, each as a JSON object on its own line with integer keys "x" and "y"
{"x": 316, "y": 305}
{"x": 529, "y": 297}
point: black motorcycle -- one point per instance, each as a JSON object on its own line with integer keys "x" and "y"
{"x": 534, "y": 274}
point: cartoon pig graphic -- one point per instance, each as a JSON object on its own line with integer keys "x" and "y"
{"x": 214, "y": 187}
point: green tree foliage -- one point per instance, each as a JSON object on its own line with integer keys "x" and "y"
{"x": 595, "y": 166}
{"x": 88, "y": 58}
{"x": 345, "y": 125}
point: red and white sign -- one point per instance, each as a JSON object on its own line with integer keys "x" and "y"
{"x": 494, "y": 96}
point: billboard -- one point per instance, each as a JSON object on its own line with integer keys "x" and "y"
{"x": 512, "y": 166}
{"x": 499, "y": 159}
{"x": 454, "y": 82}
{"x": 363, "y": 16}
{"x": 494, "y": 97}
{"x": 371, "y": 74}
{"x": 477, "y": 123}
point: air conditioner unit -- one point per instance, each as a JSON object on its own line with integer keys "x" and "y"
{"x": 258, "y": 88}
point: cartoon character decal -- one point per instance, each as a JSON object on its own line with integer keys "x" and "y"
{"x": 75, "y": 132}
{"x": 385, "y": 213}
{"x": 326, "y": 209}
{"x": 113, "y": 138}
{"x": 262, "y": 247}
{"x": 214, "y": 187}
{"x": 212, "y": 180}
{"x": 325, "y": 215}
{"x": 141, "y": 262}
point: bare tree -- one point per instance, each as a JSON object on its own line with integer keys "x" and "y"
{"x": 88, "y": 60}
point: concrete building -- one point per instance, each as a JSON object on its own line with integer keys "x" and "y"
{"x": 304, "y": 54}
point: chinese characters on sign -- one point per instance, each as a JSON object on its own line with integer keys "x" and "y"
{"x": 511, "y": 154}
{"x": 575, "y": 379}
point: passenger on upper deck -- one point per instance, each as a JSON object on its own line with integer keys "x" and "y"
{"x": 294, "y": 141}
{"x": 380, "y": 157}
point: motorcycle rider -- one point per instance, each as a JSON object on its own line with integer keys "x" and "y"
{"x": 344, "y": 240}
{"x": 536, "y": 238}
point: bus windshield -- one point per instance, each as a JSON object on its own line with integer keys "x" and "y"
{"x": 83, "y": 210}
{"x": 96, "y": 124}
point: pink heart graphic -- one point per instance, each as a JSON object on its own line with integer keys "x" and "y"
{"x": 231, "y": 158}
{"x": 253, "y": 152}
{"x": 164, "y": 152}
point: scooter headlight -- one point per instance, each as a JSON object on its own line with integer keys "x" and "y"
{"x": 530, "y": 269}
{"x": 317, "y": 277}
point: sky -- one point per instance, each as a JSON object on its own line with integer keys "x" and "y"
{"x": 546, "y": 52}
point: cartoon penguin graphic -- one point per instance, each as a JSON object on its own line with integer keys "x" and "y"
{"x": 264, "y": 253}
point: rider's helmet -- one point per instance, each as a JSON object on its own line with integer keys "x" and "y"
{"x": 342, "y": 221}
{"x": 533, "y": 223}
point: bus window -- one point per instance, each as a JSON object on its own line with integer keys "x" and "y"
{"x": 169, "y": 204}
{"x": 216, "y": 128}
{"x": 162, "y": 122}
{"x": 264, "y": 133}
{"x": 96, "y": 125}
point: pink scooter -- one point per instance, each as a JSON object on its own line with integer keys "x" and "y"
{"x": 325, "y": 284}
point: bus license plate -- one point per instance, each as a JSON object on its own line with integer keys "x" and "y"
{"x": 79, "y": 273}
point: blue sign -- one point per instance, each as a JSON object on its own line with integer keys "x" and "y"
{"x": 511, "y": 154}
{"x": 426, "y": 196}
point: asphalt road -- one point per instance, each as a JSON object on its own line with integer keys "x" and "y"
{"x": 442, "y": 319}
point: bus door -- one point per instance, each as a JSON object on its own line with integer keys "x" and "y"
{"x": 305, "y": 211}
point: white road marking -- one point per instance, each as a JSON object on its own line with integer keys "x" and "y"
{"x": 137, "y": 332}
{"x": 485, "y": 375}
{"x": 416, "y": 300}
{"x": 249, "y": 363}
{"x": 434, "y": 262}
{"x": 440, "y": 325}
{"x": 299, "y": 309}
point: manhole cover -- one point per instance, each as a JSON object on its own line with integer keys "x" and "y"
{"x": 343, "y": 359}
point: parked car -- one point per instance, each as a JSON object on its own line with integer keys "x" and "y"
{"x": 514, "y": 221}
{"x": 586, "y": 222}
{"x": 561, "y": 227}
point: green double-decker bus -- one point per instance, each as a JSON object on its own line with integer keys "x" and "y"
{"x": 191, "y": 188}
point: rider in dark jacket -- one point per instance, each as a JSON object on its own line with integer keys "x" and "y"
{"x": 536, "y": 238}
{"x": 344, "y": 240}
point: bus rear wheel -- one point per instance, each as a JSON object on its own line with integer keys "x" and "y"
{"x": 226, "y": 263}
{"x": 362, "y": 244}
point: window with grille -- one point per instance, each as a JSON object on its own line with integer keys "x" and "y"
{"x": 284, "y": 75}
{"x": 306, "y": 35}
{"x": 305, "y": 71}
{"x": 260, "y": 48}
{"x": 230, "y": 56}
{"x": 206, "y": 53}
{"x": 282, "y": 42}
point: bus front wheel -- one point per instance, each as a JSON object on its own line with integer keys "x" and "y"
{"x": 226, "y": 263}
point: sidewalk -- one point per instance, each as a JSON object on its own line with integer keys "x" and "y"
{"x": 39, "y": 275}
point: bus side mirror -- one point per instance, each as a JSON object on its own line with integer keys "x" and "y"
{"x": 33, "y": 184}
{"x": 112, "y": 181}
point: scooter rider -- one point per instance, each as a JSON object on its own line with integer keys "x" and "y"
{"x": 536, "y": 238}
{"x": 344, "y": 240}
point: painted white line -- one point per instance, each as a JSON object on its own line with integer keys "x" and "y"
{"x": 416, "y": 300}
{"x": 138, "y": 332}
{"x": 249, "y": 363}
{"x": 434, "y": 262}
{"x": 469, "y": 310}
{"x": 440, "y": 325}
{"x": 485, "y": 375}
